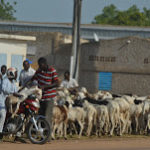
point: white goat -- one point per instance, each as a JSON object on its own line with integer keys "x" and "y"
{"x": 91, "y": 113}
{"x": 10, "y": 100}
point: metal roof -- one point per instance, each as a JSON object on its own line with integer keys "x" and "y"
{"x": 87, "y": 31}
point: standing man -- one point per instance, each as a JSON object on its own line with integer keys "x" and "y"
{"x": 69, "y": 83}
{"x": 47, "y": 79}
{"x": 26, "y": 74}
{"x": 3, "y": 71}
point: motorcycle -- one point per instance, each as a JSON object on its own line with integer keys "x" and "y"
{"x": 27, "y": 120}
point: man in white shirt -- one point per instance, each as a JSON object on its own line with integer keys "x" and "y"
{"x": 7, "y": 86}
{"x": 69, "y": 83}
{"x": 26, "y": 74}
{"x": 3, "y": 72}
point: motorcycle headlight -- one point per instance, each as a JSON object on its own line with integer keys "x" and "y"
{"x": 36, "y": 104}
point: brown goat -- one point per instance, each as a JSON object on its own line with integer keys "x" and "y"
{"x": 59, "y": 121}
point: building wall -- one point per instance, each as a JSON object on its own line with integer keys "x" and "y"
{"x": 117, "y": 56}
{"x": 60, "y": 59}
{"x": 129, "y": 63}
{"x": 131, "y": 83}
{"x": 44, "y": 45}
{"x": 11, "y": 47}
{"x": 13, "y": 50}
{"x": 128, "y": 59}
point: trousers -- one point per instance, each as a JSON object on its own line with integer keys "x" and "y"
{"x": 46, "y": 109}
{"x": 2, "y": 118}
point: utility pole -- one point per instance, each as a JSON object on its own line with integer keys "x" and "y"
{"x": 75, "y": 55}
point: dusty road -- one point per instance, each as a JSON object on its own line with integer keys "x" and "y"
{"x": 115, "y": 143}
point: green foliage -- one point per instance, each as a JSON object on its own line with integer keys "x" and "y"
{"x": 131, "y": 17}
{"x": 7, "y": 10}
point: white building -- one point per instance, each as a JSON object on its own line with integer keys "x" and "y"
{"x": 13, "y": 49}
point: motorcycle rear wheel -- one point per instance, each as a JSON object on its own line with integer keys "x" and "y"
{"x": 42, "y": 135}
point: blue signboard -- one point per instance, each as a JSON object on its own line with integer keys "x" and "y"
{"x": 105, "y": 81}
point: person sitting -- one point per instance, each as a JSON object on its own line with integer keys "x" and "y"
{"x": 69, "y": 83}
{"x": 7, "y": 86}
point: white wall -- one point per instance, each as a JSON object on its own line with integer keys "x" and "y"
{"x": 15, "y": 47}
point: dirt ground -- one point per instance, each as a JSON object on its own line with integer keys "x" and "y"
{"x": 105, "y": 143}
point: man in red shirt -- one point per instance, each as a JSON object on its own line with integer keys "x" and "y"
{"x": 47, "y": 79}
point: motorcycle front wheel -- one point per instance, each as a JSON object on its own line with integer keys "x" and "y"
{"x": 40, "y": 136}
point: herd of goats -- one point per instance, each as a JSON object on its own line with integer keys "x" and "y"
{"x": 101, "y": 113}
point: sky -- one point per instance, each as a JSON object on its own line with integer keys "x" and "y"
{"x": 61, "y": 11}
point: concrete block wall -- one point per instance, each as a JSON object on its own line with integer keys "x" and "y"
{"x": 128, "y": 62}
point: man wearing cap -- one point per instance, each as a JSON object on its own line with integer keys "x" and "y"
{"x": 26, "y": 74}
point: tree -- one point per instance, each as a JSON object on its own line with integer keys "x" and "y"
{"x": 147, "y": 14}
{"x": 130, "y": 17}
{"x": 107, "y": 15}
{"x": 7, "y": 10}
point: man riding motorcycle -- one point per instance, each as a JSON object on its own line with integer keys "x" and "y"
{"x": 7, "y": 86}
{"x": 26, "y": 120}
